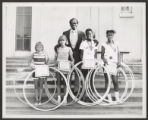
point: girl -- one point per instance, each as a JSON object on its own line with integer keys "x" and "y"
{"x": 110, "y": 57}
{"x": 63, "y": 53}
{"x": 88, "y": 52}
{"x": 39, "y": 59}
{"x": 88, "y": 49}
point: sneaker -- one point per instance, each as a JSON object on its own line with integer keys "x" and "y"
{"x": 59, "y": 99}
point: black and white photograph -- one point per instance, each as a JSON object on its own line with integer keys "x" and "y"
{"x": 74, "y": 60}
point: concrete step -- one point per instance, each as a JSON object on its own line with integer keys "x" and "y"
{"x": 16, "y": 74}
{"x": 18, "y": 103}
{"x": 133, "y": 106}
{"x": 51, "y": 84}
{"x": 87, "y": 112}
{"x": 127, "y": 108}
{"x": 11, "y": 93}
{"x": 16, "y": 66}
{"x": 13, "y": 62}
{"x": 15, "y": 69}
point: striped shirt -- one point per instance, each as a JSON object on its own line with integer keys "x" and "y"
{"x": 39, "y": 58}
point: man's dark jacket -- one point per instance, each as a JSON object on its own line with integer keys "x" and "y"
{"x": 76, "y": 50}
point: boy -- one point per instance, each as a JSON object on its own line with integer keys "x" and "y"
{"x": 110, "y": 57}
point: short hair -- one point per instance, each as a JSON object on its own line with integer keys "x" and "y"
{"x": 89, "y": 29}
{"x": 110, "y": 31}
{"x": 72, "y": 20}
{"x": 39, "y": 43}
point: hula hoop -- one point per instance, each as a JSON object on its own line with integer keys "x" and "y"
{"x": 14, "y": 88}
{"x": 47, "y": 91}
{"x": 132, "y": 80}
{"x": 91, "y": 94}
{"x": 75, "y": 97}
{"x": 123, "y": 94}
{"x": 35, "y": 107}
{"x": 80, "y": 76}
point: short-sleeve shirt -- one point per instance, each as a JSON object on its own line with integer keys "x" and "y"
{"x": 63, "y": 53}
{"x": 89, "y": 49}
{"x": 111, "y": 52}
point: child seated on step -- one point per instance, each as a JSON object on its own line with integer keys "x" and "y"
{"x": 62, "y": 55}
{"x": 39, "y": 62}
{"x": 110, "y": 56}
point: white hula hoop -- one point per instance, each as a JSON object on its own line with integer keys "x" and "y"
{"x": 18, "y": 97}
{"x": 31, "y": 105}
{"x": 132, "y": 80}
{"x": 91, "y": 94}
{"x": 123, "y": 94}
{"x": 83, "y": 83}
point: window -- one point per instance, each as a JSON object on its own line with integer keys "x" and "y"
{"x": 23, "y": 28}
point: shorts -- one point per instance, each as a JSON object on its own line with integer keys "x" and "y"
{"x": 112, "y": 68}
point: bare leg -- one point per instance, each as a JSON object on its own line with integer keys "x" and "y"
{"x": 41, "y": 89}
{"x": 116, "y": 87}
{"x": 115, "y": 83}
{"x": 58, "y": 84}
{"x": 59, "y": 87}
{"x": 36, "y": 90}
{"x": 85, "y": 72}
{"x": 106, "y": 86}
{"x": 106, "y": 81}
{"x": 76, "y": 82}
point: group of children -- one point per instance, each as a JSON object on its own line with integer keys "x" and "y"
{"x": 88, "y": 47}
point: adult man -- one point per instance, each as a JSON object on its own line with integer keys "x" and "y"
{"x": 75, "y": 37}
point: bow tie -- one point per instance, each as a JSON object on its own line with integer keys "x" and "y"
{"x": 73, "y": 31}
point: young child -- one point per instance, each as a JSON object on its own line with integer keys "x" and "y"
{"x": 38, "y": 58}
{"x": 63, "y": 53}
{"x": 88, "y": 49}
{"x": 110, "y": 57}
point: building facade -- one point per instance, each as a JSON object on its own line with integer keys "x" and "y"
{"x": 25, "y": 24}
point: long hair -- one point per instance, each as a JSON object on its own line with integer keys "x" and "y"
{"x": 58, "y": 44}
